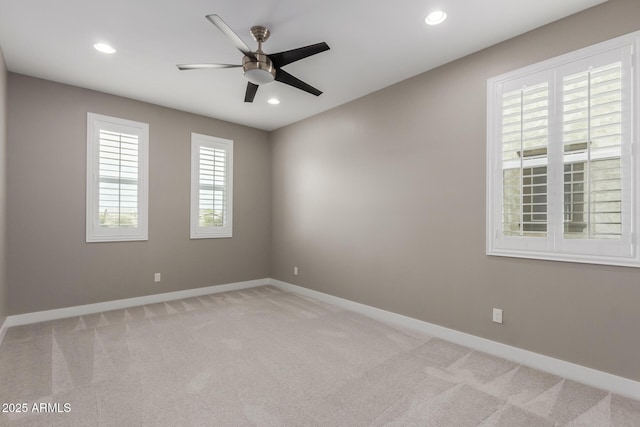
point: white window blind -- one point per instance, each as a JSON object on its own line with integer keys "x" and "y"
{"x": 211, "y": 186}
{"x": 116, "y": 179}
{"x": 561, "y": 178}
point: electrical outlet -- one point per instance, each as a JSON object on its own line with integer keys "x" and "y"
{"x": 295, "y": 271}
{"x": 497, "y": 315}
{"x": 156, "y": 277}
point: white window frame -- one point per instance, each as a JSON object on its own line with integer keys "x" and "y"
{"x": 94, "y": 232}
{"x": 210, "y": 232}
{"x": 623, "y": 252}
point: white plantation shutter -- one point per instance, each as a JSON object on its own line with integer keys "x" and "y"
{"x": 561, "y": 180}
{"x": 592, "y": 142}
{"x": 212, "y": 198}
{"x": 523, "y": 112}
{"x": 117, "y": 152}
{"x": 596, "y": 98}
{"x": 211, "y": 186}
{"x": 118, "y": 180}
{"x": 525, "y": 134}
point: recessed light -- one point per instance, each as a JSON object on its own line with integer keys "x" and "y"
{"x": 273, "y": 101}
{"x": 104, "y": 48}
{"x": 436, "y": 17}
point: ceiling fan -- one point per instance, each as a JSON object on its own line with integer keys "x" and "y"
{"x": 260, "y": 68}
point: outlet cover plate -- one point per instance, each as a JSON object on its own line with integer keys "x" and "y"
{"x": 497, "y": 315}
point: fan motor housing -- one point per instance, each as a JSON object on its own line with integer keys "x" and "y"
{"x": 260, "y": 70}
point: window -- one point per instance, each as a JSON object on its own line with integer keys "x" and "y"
{"x": 211, "y": 187}
{"x": 562, "y": 183}
{"x": 117, "y": 156}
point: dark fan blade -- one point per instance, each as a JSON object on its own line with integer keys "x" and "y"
{"x": 251, "y": 92}
{"x": 286, "y": 78}
{"x": 227, "y": 31}
{"x": 205, "y": 66}
{"x": 281, "y": 59}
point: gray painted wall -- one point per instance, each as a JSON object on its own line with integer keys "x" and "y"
{"x": 382, "y": 201}
{"x": 4, "y": 288}
{"x": 51, "y": 266}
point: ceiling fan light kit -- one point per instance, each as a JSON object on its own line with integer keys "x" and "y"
{"x": 258, "y": 72}
{"x": 260, "y": 68}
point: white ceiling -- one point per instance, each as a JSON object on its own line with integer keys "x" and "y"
{"x": 373, "y": 44}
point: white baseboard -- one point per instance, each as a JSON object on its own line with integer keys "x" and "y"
{"x": 616, "y": 384}
{"x": 81, "y": 310}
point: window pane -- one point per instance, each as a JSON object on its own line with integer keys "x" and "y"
{"x": 592, "y": 138}
{"x": 525, "y": 123}
{"x": 118, "y": 180}
{"x": 212, "y": 187}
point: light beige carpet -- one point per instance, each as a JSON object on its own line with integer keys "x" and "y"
{"x": 270, "y": 358}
